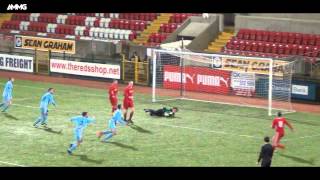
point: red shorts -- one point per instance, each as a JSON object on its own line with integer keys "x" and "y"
{"x": 127, "y": 104}
{"x": 113, "y": 101}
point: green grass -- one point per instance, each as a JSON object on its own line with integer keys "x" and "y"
{"x": 202, "y": 134}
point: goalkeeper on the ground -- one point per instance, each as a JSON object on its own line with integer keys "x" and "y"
{"x": 164, "y": 112}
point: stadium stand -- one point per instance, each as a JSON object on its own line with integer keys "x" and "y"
{"x": 114, "y": 26}
{"x": 251, "y": 42}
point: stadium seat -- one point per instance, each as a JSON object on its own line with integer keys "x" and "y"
{"x": 259, "y": 35}
{"x": 274, "y": 48}
{"x": 287, "y": 49}
{"x": 280, "y": 49}
{"x": 267, "y": 48}
{"x": 301, "y": 49}
{"x": 277, "y": 37}
{"x": 312, "y": 40}
{"x": 298, "y": 38}
{"x": 261, "y": 46}
{"x": 294, "y": 49}
{"x": 285, "y": 37}
{"x": 252, "y": 35}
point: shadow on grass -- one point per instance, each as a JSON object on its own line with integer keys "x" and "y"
{"x": 86, "y": 159}
{"x": 50, "y": 130}
{"x": 10, "y": 116}
{"x": 140, "y": 129}
{"x": 297, "y": 159}
{"x": 123, "y": 145}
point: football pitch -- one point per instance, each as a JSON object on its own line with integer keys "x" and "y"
{"x": 202, "y": 134}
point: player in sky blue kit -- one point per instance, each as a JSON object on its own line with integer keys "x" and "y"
{"x": 80, "y": 122}
{"x": 46, "y": 100}
{"x": 7, "y": 95}
{"x": 112, "y": 131}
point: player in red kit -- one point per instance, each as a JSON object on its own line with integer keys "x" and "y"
{"x": 113, "y": 95}
{"x": 128, "y": 102}
{"x": 278, "y": 124}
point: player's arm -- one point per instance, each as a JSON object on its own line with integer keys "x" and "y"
{"x": 288, "y": 124}
{"x": 52, "y": 100}
{"x": 92, "y": 119}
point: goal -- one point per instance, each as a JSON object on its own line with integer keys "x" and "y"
{"x": 235, "y": 80}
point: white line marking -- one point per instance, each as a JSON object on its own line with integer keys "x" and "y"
{"x": 19, "y": 165}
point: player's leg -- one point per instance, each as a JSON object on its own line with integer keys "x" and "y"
{"x": 44, "y": 121}
{"x": 279, "y": 139}
{"x": 78, "y": 137}
{"x": 275, "y": 140}
{"x": 40, "y": 119}
{"x": 7, "y": 103}
{"x": 110, "y": 135}
{"x": 131, "y": 106}
{"x": 113, "y": 102}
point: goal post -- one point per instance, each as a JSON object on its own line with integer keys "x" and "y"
{"x": 226, "y": 79}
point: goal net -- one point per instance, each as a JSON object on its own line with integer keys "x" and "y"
{"x": 235, "y": 80}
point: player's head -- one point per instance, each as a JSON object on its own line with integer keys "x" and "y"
{"x": 119, "y": 106}
{"x": 115, "y": 81}
{"x": 11, "y": 79}
{"x": 84, "y": 114}
{"x": 130, "y": 83}
{"x": 279, "y": 114}
{"x": 175, "y": 109}
{"x": 266, "y": 139}
{"x": 51, "y": 90}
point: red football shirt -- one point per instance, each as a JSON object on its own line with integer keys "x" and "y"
{"x": 279, "y": 123}
{"x": 128, "y": 93}
{"x": 113, "y": 90}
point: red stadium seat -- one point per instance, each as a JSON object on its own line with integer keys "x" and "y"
{"x": 294, "y": 49}
{"x": 285, "y": 37}
{"x": 242, "y": 45}
{"x": 298, "y": 38}
{"x": 259, "y": 35}
{"x": 261, "y": 46}
{"x": 291, "y": 38}
{"x": 287, "y": 49}
{"x": 254, "y": 46}
{"x": 305, "y": 39}
{"x": 248, "y": 45}
{"x": 267, "y": 48}
{"x": 312, "y": 40}
{"x": 272, "y": 36}
{"x": 277, "y": 37}
{"x": 252, "y": 35}
{"x": 301, "y": 49}
{"x": 265, "y": 36}
{"x": 280, "y": 49}
{"x": 274, "y": 48}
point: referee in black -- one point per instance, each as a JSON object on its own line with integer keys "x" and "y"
{"x": 266, "y": 153}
